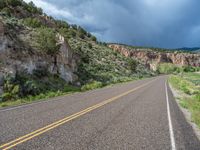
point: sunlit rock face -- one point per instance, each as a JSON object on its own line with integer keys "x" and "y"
{"x": 16, "y": 57}
{"x": 153, "y": 58}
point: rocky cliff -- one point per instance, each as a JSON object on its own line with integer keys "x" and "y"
{"x": 16, "y": 55}
{"x": 153, "y": 58}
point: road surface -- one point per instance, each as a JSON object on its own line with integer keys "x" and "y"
{"x": 132, "y": 116}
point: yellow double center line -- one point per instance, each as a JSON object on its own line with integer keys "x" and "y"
{"x": 40, "y": 131}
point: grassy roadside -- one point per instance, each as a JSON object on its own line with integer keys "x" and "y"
{"x": 40, "y": 97}
{"x": 68, "y": 90}
{"x": 188, "y": 85}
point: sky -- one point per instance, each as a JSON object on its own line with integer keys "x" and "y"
{"x": 156, "y": 23}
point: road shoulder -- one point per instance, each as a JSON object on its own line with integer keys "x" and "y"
{"x": 187, "y": 114}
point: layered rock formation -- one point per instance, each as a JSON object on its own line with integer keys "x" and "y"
{"x": 153, "y": 58}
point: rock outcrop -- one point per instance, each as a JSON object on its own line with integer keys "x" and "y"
{"x": 14, "y": 58}
{"x": 153, "y": 58}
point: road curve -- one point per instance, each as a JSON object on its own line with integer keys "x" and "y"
{"x": 136, "y": 115}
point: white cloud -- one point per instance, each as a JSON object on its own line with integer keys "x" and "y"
{"x": 51, "y": 9}
{"x": 163, "y": 23}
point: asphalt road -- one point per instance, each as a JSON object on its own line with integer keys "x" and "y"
{"x": 136, "y": 115}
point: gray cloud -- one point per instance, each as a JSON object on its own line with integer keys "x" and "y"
{"x": 158, "y": 23}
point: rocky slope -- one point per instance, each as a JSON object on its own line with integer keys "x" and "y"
{"x": 17, "y": 57}
{"x": 39, "y": 54}
{"x": 153, "y": 58}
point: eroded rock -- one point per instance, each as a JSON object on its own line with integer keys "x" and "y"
{"x": 153, "y": 58}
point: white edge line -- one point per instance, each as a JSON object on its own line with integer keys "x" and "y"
{"x": 173, "y": 145}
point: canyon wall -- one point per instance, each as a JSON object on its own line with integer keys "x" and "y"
{"x": 153, "y": 58}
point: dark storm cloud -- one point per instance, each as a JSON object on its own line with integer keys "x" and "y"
{"x": 159, "y": 23}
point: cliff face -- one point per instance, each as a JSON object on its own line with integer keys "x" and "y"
{"x": 152, "y": 58}
{"x": 16, "y": 57}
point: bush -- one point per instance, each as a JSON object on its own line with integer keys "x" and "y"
{"x": 41, "y": 72}
{"x": 89, "y": 45}
{"x": 197, "y": 97}
{"x": 191, "y": 101}
{"x": 72, "y": 33}
{"x": 133, "y": 65}
{"x": 62, "y": 24}
{"x": 74, "y": 27}
{"x": 11, "y": 89}
{"x": 92, "y": 85}
{"x": 2, "y": 4}
{"x": 47, "y": 42}
{"x": 94, "y": 38}
{"x": 189, "y": 69}
{"x": 81, "y": 35}
{"x": 14, "y": 3}
{"x": 7, "y": 96}
{"x": 166, "y": 68}
{"x": 183, "y": 85}
{"x": 30, "y": 87}
{"x": 6, "y": 11}
{"x": 70, "y": 88}
{"x": 32, "y": 22}
{"x": 81, "y": 30}
{"x": 33, "y": 9}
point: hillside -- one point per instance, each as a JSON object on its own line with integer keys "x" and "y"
{"x": 40, "y": 55}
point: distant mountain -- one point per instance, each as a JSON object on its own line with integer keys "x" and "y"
{"x": 191, "y": 49}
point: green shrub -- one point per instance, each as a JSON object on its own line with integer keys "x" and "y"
{"x": 197, "y": 97}
{"x": 81, "y": 30}
{"x": 74, "y": 26}
{"x": 133, "y": 65}
{"x": 41, "y": 72}
{"x": 46, "y": 39}
{"x": 183, "y": 85}
{"x": 7, "y": 96}
{"x": 72, "y": 33}
{"x": 189, "y": 69}
{"x": 92, "y": 85}
{"x": 93, "y": 38}
{"x": 70, "y": 88}
{"x": 192, "y": 100}
{"x": 62, "y": 24}
{"x": 14, "y": 3}
{"x": 89, "y": 45}
{"x": 32, "y": 22}
{"x": 6, "y": 11}
{"x": 2, "y": 4}
{"x": 81, "y": 35}
{"x": 30, "y": 87}
{"x": 167, "y": 68}
{"x": 11, "y": 89}
{"x": 33, "y": 9}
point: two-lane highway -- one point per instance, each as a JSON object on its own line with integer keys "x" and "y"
{"x": 136, "y": 115}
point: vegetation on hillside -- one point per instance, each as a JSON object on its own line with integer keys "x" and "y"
{"x": 100, "y": 63}
{"x": 98, "y": 66}
{"x": 189, "y": 85}
{"x": 47, "y": 41}
{"x": 169, "y": 68}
